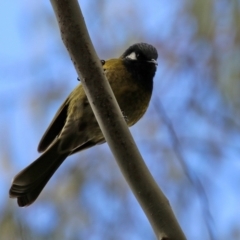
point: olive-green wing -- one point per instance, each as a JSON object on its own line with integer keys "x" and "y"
{"x": 55, "y": 127}
{"x": 87, "y": 145}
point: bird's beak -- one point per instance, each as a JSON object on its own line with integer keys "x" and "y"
{"x": 153, "y": 61}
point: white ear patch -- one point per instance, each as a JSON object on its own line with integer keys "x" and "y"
{"x": 132, "y": 56}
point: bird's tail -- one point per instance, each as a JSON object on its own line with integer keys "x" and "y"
{"x": 29, "y": 183}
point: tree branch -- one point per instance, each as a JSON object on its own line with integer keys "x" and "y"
{"x": 77, "y": 41}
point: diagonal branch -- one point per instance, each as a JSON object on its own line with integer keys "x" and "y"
{"x": 77, "y": 41}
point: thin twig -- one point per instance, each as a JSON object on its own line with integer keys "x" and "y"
{"x": 193, "y": 178}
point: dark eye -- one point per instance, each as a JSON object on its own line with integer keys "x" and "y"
{"x": 140, "y": 57}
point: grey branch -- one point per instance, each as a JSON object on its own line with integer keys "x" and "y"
{"x": 77, "y": 41}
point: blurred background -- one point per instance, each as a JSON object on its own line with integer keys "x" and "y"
{"x": 189, "y": 137}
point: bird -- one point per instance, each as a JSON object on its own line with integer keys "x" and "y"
{"x": 74, "y": 127}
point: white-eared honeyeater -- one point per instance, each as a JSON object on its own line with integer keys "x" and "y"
{"x": 74, "y": 127}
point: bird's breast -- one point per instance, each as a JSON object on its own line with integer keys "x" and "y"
{"x": 131, "y": 96}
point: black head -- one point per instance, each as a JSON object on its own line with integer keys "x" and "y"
{"x": 141, "y": 61}
{"x": 141, "y": 52}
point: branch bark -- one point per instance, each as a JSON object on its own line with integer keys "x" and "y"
{"x": 77, "y": 41}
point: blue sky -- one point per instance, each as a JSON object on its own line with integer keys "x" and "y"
{"x": 36, "y": 75}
